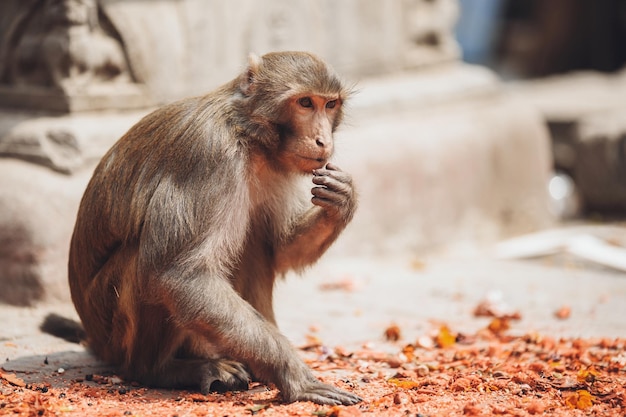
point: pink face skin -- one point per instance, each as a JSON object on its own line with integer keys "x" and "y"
{"x": 311, "y": 134}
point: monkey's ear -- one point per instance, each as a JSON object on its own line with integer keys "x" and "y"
{"x": 247, "y": 80}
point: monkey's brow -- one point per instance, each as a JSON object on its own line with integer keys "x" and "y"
{"x": 325, "y": 96}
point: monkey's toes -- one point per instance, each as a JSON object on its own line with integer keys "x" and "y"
{"x": 224, "y": 375}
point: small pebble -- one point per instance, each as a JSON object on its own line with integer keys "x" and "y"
{"x": 422, "y": 370}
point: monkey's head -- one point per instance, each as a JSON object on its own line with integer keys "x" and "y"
{"x": 295, "y": 102}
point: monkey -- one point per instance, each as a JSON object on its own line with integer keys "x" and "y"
{"x": 192, "y": 215}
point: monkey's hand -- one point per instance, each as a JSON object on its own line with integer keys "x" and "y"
{"x": 334, "y": 202}
{"x": 334, "y": 192}
{"x": 321, "y": 393}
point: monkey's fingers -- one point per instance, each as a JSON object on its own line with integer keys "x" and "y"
{"x": 330, "y": 196}
{"x": 322, "y": 203}
{"x": 328, "y": 395}
{"x": 331, "y": 201}
{"x": 338, "y": 185}
{"x": 332, "y": 167}
{"x": 333, "y": 173}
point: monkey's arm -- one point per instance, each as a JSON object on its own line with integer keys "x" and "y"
{"x": 335, "y": 202}
{"x": 206, "y": 302}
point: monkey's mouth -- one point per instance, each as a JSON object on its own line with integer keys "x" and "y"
{"x": 315, "y": 163}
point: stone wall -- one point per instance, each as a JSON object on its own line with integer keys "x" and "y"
{"x": 438, "y": 152}
{"x": 123, "y": 51}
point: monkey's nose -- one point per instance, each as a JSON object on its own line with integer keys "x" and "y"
{"x": 321, "y": 142}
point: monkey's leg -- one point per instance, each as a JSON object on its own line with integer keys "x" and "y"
{"x": 139, "y": 337}
{"x": 219, "y": 375}
{"x": 161, "y": 354}
{"x": 209, "y": 306}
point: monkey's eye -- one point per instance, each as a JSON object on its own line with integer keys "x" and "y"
{"x": 331, "y": 104}
{"x": 305, "y": 102}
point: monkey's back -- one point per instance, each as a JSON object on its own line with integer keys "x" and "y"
{"x": 141, "y": 209}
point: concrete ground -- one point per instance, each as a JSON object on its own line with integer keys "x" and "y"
{"x": 420, "y": 294}
{"x": 351, "y": 301}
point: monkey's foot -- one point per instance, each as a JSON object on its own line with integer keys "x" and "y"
{"x": 221, "y": 375}
{"x": 320, "y": 393}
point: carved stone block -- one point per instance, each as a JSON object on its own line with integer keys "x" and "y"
{"x": 65, "y": 55}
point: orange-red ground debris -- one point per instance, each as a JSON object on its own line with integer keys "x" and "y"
{"x": 473, "y": 375}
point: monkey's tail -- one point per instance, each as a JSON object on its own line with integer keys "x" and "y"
{"x": 64, "y": 328}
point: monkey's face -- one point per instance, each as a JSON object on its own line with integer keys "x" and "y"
{"x": 307, "y": 141}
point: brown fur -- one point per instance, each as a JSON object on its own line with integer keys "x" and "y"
{"x": 190, "y": 217}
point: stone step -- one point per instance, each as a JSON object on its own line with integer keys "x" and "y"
{"x": 442, "y": 157}
{"x": 586, "y": 115}
{"x": 439, "y": 156}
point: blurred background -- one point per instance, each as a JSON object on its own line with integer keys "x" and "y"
{"x": 572, "y": 54}
{"x": 475, "y": 120}
{"x": 530, "y": 39}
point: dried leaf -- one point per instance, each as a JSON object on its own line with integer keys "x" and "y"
{"x": 404, "y": 383}
{"x": 494, "y": 306}
{"x": 312, "y": 342}
{"x": 499, "y": 325}
{"x": 392, "y": 333}
{"x": 580, "y": 399}
{"x": 563, "y": 313}
{"x": 587, "y": 375}
{"x": 343, "y": 352}
{"x": 13, "y": 379}
{"x": 409, "y": 352}
{"x": 445, "y": 338}
{"x": 337, "y": 411}
{"x": 256, "y": 408}
{"x": 198, "y": 398}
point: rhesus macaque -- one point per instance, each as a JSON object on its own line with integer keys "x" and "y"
{"x": 193, "y": 213}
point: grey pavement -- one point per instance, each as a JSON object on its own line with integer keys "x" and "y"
{"x": 350, "y": 301}
{"x": 420, "y": 294}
